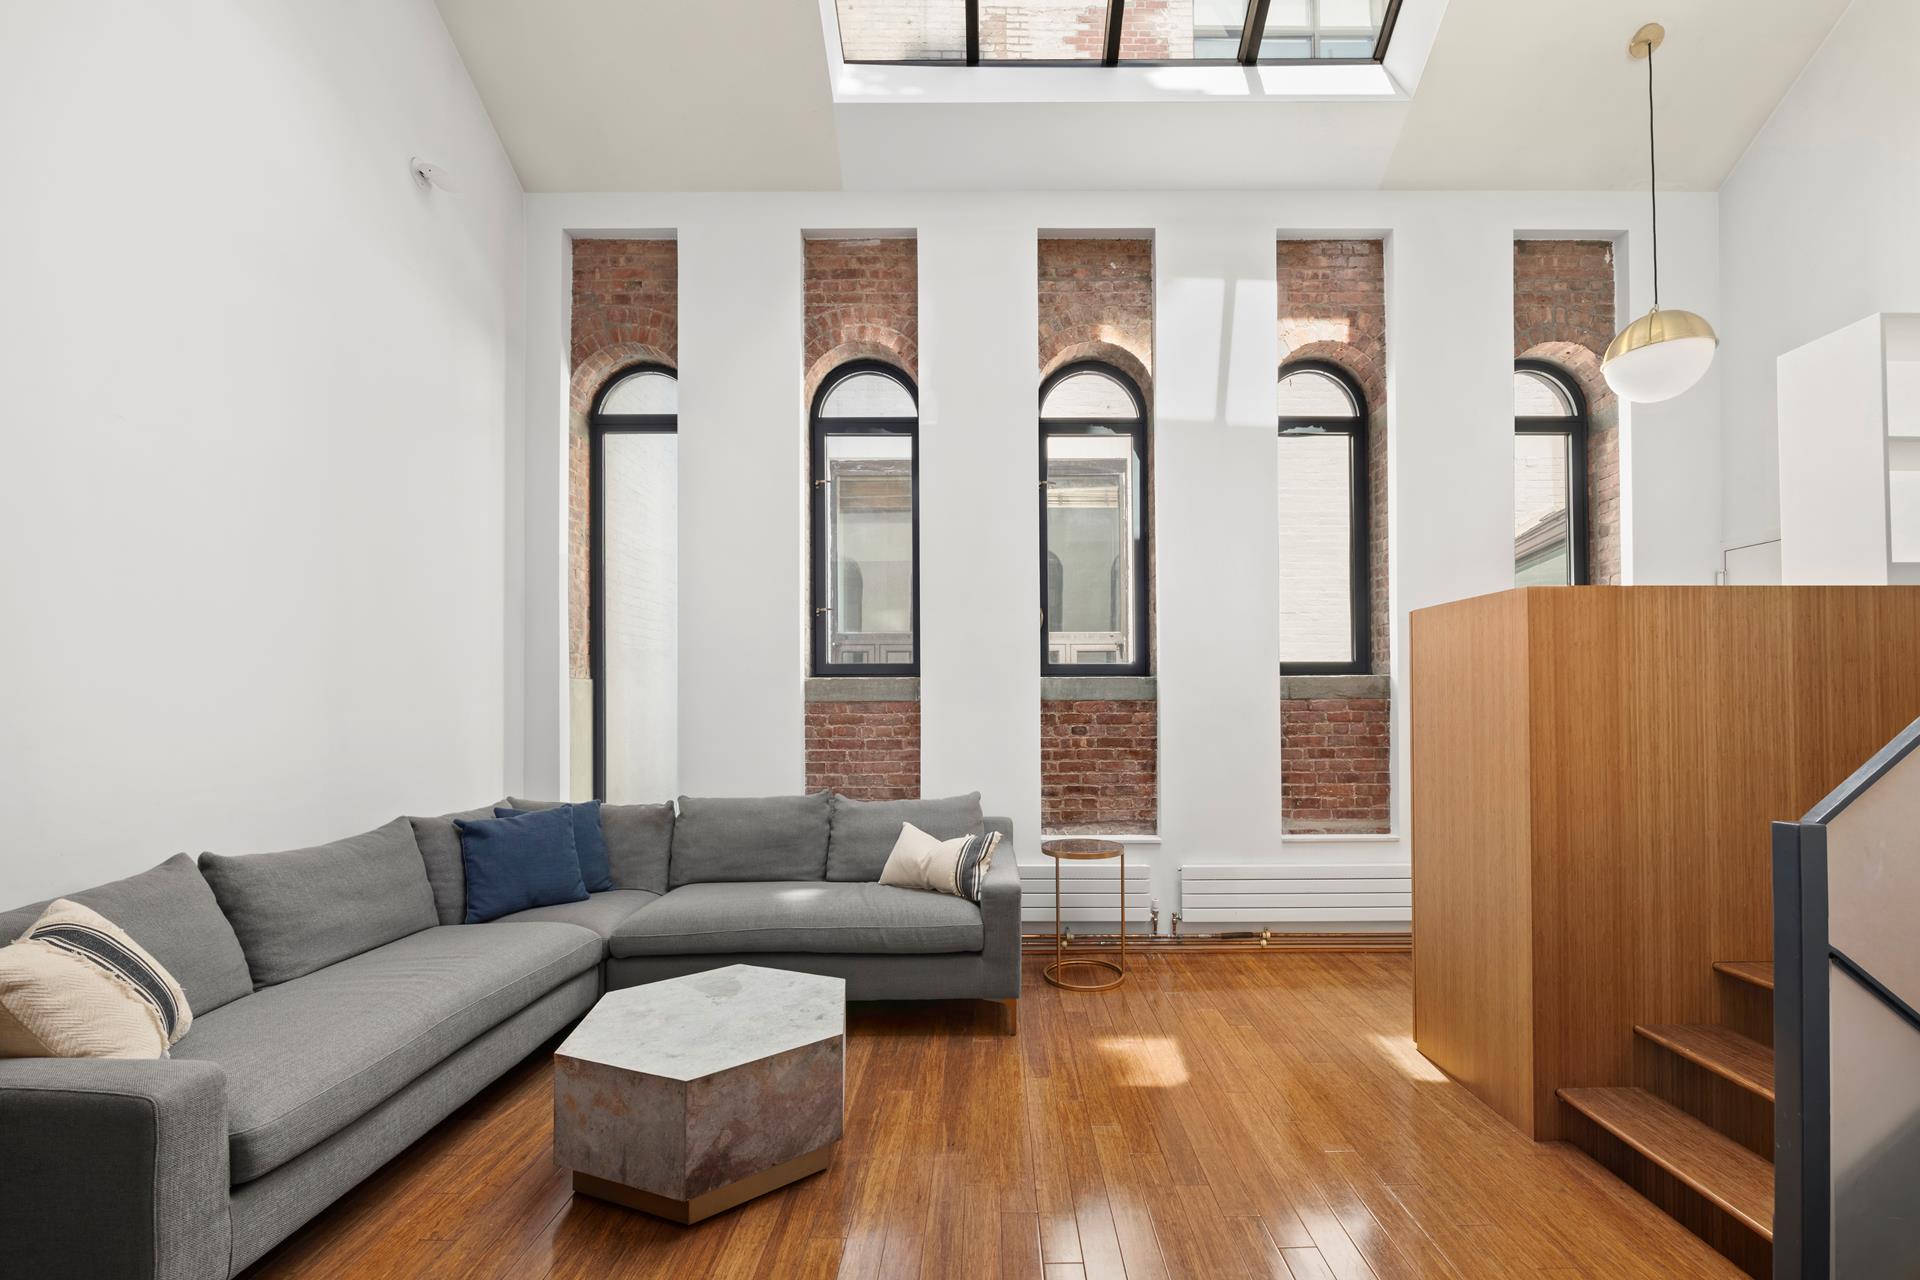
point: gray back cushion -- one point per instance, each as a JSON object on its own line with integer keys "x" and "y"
{"x": 172, "y": 913}
{"x": 864, "y": 831}
{"x": 439, "y": 844}
{"x": 780, "y": 838}
{"x": 305, "y": 909}
{"x": 639, "y": 841}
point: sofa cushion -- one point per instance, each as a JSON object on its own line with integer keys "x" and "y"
{"x": 173, "y": 914}
{"x": 817, "y": 916}
{"x": 306, "y": 1058}
{"x": 600, "y": 912}
{"x": 304, "y": 909}
{"x": 439, "y": 842}
{"x": 864, "y": 831}
{"x": 516, "y": 863}
{"x": 639, "y": 840}
{"x": 778, "y": 838}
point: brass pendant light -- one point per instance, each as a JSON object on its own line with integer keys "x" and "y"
{"x": 1663, "y": 353}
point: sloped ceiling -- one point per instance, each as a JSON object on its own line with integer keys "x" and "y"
{"x": 657, "y": 95}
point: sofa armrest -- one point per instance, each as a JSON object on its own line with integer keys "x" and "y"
{"x": 114, "y": 1167}
{"x": 1000, "y": 925}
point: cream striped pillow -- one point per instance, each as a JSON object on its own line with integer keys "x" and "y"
{"x": 76, "y": 986}
{"x": 956, "y": 867}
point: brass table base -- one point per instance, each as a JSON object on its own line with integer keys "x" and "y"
{"x": 719, "y": 1200}
{"x": 1084, "y": 851}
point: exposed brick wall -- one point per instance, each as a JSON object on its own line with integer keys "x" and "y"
{"x": 1335, "y": 764}
{"x": 1098, "y": 766}
{"x": 1333, "y": 306}
{"x": 1096, "y": 303}
{"x": 1563, "y": 312}
{"x": 861, "y": 301}
{"x": 1099, "y": 759}
{"x": 626, "y": 310}
{"x": 1336, "y": 757}
{"x": 865, "y": 750}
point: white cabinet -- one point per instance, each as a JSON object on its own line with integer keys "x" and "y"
{"x": 1850, "y": 455}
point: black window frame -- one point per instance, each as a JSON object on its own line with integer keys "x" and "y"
{"x": 1252, "y": 33}
{"x": 817, "y": 433}
{"x": 1359, "y": 557}
{"x": 1139, "y": 432}
{"x": 600, "y": 425}
{"x": 1575, "y": 427}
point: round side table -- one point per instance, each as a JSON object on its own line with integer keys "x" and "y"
{"x": 1085, "y": 851}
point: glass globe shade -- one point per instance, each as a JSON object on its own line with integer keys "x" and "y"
{"x": 1658, "y": 356}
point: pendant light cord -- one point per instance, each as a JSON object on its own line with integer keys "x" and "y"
{"x": 1653, "y": 182}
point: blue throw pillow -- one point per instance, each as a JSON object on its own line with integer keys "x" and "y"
{"x": 516, "y": 863}
{"x": 589, "y": 842}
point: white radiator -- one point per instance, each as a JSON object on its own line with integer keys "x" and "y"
{"x": 1089, "y": 893}
{"x": 1286, "y": 893}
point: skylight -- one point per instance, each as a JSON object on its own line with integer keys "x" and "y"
{"x": 1111, "y": 32}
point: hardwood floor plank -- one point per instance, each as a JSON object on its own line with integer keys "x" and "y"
{"x": 1219, "y": 1117}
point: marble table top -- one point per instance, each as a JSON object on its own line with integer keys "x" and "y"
{"x": 692, "y": 1027}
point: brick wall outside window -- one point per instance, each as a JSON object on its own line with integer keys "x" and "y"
{"x": 860, "y": 301}
{"x": 1099, "y": 758}
{"x": 1563, "y": 313}
{"x": 1335, "y": 749}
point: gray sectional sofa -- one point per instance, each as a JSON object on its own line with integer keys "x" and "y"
{"x": 341, "y": 1009}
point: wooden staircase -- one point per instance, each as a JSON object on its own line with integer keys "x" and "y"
{"x": 1695, "y": 1134}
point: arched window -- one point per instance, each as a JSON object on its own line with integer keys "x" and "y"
{"x": 866, "y": 522}
{"x": 1549, "y": 477}
{"x": 1093, "y": 523}
{"x": 633, "y": 596}
{"x": 1324, "y": 595}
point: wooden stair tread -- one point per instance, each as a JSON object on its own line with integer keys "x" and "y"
{"x": 1708, "y": 1161}
{"x": 1727, "y": 1054}
{"x": 1757, "y": 973}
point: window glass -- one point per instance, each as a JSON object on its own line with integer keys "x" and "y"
{"x": 646, "y": 392}
{"x": 1298, "y": 29}
{"x": 1316, "y": 547}
{"x": 1042, "y": 31}
{"x": 1542, "y": 524}
{"x": 1089, "y": 395}
{"x": 868, "y": 395}
{"x": 1310, "y": 393}
{"x": 639, "y": 593}
{"x": 1202, "y": 29}
{"x": 1535, "y": 395}
{"x": 903, "y": 30}
{"x": 869, "y": 548}
{"x": 1093, "y": 520}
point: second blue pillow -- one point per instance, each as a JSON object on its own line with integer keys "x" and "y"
{"x": 516, "y": 863}
{"x": 589, "y": 841}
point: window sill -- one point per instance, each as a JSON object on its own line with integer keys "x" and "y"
{"x": 1298, "y": 687}
{"x": 863, "y": 689}
{"x": 1097, "y": 689}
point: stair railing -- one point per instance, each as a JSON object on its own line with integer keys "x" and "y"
{"x": 1846, "y": 912}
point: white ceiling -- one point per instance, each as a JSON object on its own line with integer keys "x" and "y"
{"x": 640, "y": 95}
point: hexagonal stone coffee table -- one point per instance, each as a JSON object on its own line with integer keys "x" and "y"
{"x": 686, "y": 1097}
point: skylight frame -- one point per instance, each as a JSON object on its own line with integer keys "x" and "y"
{"x": 1252, "y": 34}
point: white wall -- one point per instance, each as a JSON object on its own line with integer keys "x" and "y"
{"x": 1817, "y": 230}
{"x": 1450, "y": 343}
{"x": 252, "y": 390}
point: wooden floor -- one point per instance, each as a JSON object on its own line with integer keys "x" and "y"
{"x": 1219, "y": 1116}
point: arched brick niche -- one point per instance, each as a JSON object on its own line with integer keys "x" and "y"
{"x": 1099, "y": 736}
{"x": 861, "y": 301}
{"x": 625, "y": 311}
{"x": 1563, "y": 313}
